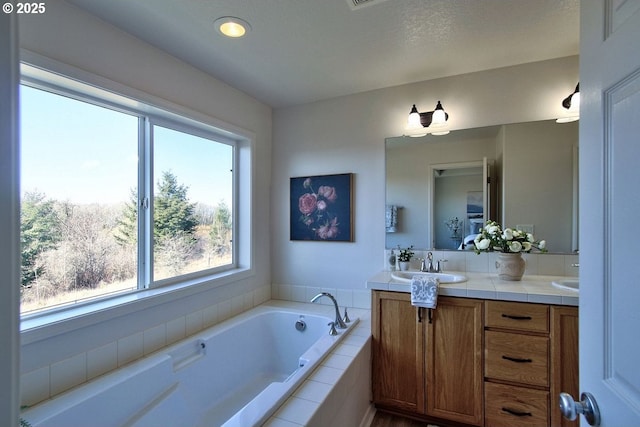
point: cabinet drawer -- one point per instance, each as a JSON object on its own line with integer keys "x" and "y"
{"x": 517, "y": 315}
{"x": 508, "y": 406}
{"x": 516, "y": 357}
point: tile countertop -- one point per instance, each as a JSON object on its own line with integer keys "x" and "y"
{"x": 536, "y": 289}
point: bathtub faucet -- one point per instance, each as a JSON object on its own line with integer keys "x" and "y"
{"x": 339, "y": 322}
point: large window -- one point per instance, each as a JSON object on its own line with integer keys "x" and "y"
{"x": 116, "y": 199}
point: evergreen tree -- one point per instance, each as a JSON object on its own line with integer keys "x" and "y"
{"x": 221, "y": 229}
{"x": 173, "y": 215}
{"x": 39, "y": 232}
{"x": 127, "y": 225}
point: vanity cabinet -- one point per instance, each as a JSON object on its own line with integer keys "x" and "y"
{"x": 474, "y": 362}
{"x": 398, "y": 356}
{"x": 428, "y": 362}
{"x": 530, "y": 357}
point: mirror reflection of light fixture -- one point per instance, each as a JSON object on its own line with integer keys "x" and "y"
{"x": 421, "y": 124}
{"x": 572, "y": 104}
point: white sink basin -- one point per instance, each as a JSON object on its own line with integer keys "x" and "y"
{"x": 570, "y": 284}
{"x": 406, "y": 276}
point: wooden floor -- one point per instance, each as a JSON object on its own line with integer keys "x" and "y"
{"x": 383, "y": 419}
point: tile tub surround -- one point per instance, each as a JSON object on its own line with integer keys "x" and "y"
{"x": 338, "y": 392}
{"x": 320, "y": 396}
{"x": 532, "y": 288}
{"x": 58, "y": 376}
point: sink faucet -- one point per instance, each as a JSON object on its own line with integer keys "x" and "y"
{"x": 339, "y": 322}
{"x": 428, "y": 267}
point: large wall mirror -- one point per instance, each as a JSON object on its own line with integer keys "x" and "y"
{"x": 437, "y": 192}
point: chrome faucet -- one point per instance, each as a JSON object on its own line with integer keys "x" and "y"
{"x": 428, "y": 267}
{"x": 339, "y": 323}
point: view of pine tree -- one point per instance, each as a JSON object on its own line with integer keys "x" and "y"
{"x": 39, "y": 232}
{"x": 173, "y": 214}
{"x": 221, "y": 229}
{"x": 127, "y": 229}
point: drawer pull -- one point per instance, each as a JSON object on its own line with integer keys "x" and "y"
{"x": 517, "y": 360}
{"x": 512, "y": 317}
{"x": 517, "y": 413}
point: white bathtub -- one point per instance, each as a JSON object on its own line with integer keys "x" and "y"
{"x": 235, "y": 374}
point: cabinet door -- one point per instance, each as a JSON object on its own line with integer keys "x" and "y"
{"x": 454, "y": 361}
{"x": 398, "y": 362}
{"x": 564, "y": 360}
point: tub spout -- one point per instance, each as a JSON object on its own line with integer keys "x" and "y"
{"x": 339, "y": 322}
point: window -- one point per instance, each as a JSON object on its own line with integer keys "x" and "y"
{"x": 116, "y": 198}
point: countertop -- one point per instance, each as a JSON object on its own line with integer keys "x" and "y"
{"x": 535, "y": 289}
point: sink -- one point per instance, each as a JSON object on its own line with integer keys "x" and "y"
{"x": 570, "y": 284}
{"x": 406, "y": 276}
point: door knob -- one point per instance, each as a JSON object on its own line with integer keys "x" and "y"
{"x": 587, "y": 407}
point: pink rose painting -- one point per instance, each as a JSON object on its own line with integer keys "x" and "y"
{"x": 321, "y": 208}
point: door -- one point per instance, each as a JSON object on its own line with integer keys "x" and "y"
{"x": 609, "y": 208}
{"x": 454, "y": 361}
{"x": 398, "y": 355}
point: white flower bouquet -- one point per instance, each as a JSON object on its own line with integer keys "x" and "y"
{"x": 509, "y": 240}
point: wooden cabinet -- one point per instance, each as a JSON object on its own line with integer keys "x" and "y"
{"x": 564, "y": 360}
{"x": 454, "y": 361}
{"x": 428, "y": 363}
{"x": 398, "y": 359}
{"x": 474, "y": 362}
{"x": 529, "y": 355}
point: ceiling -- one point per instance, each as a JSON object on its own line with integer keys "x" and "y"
{"x": 301, "y": 51}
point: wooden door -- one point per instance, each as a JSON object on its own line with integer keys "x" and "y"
{"x": 454, "y": 361}
{"x": 398, "y": 358}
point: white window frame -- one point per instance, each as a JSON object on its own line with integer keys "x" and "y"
{"x": 46, "y": 74}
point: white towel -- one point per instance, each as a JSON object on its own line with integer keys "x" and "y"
{"x": 424, "y": 291}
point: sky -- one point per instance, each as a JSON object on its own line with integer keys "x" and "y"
{"x": 81, "y": 153}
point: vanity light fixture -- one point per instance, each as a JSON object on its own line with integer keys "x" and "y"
{"x": 230, "y": 26}
{"x": 421, "y": 124}
{"x": 572, "y": 104}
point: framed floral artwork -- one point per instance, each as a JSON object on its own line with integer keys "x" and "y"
{"x": 321, "y": 208}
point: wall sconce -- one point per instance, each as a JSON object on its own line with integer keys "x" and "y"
{"x": 572, "y": 104}
{"x": 421, "y": 124}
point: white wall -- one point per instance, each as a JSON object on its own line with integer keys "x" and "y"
{"x": 68, "y": 35}
{"x": 347, "y": 134}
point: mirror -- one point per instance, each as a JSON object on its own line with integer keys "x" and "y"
{"x": 432, "y": 180}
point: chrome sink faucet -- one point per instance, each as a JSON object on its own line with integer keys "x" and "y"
{"x": 339, "y": 323}
{"x": 428, "y": 267}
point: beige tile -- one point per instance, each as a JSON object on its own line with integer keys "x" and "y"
{"x": 68, "y": 373}
{"x": 297, "y": 410}
{"x": 34, "y": 386}
{"x": 154, "y": 338}
{"x": 130, "y": 348}
{"x": 102, "y": 360}
{"x": 176, "y": 330}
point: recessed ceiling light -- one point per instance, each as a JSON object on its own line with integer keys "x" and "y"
{"x": 231, "y": 26}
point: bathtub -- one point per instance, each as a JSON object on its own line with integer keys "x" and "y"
{"x": 234, "y": 374}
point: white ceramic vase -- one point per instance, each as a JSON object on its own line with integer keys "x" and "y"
{"x": 404, "y": 265}
{"x": 510, "y": 266}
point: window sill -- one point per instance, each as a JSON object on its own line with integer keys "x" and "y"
{"x": 38, "y": 326}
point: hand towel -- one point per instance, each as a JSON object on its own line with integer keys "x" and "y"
{"x": 424, "y": 291}
{"x": 391, "y": 218}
